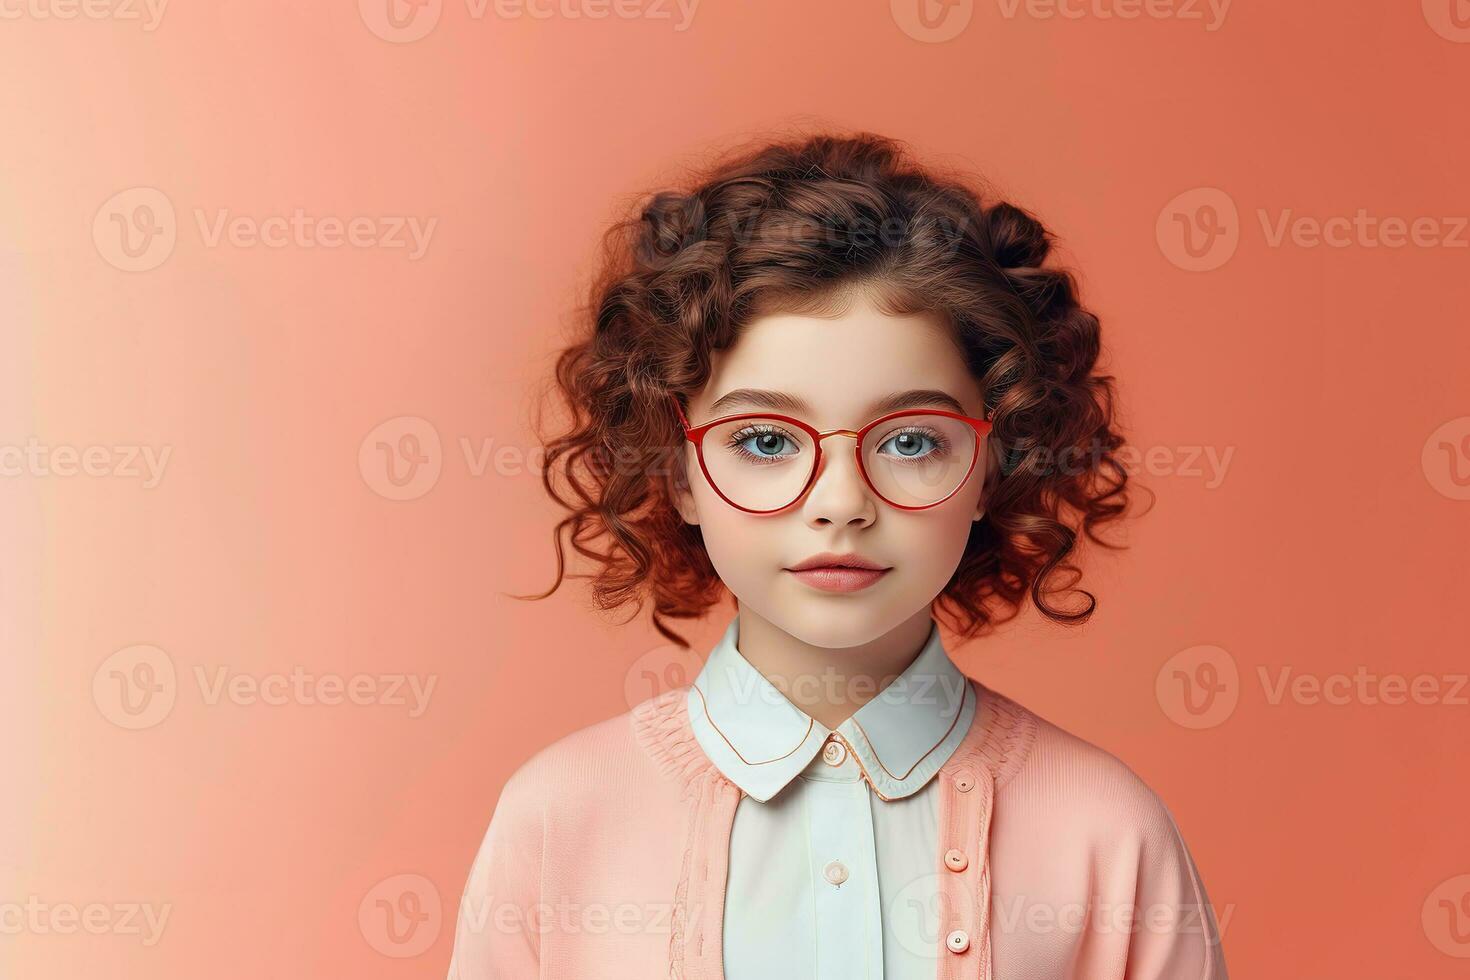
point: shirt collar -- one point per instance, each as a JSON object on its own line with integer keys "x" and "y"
{"x": 761, "y": 741}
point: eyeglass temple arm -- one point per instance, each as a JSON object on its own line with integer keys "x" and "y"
{"x": 680, "y": 409}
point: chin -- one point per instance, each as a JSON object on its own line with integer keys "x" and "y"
{"x": 835, "y": 621}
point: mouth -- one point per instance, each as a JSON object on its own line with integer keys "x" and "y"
{"x": 839, "y": 573}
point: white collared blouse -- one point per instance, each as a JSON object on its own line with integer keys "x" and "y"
{"x": 831, "y": 870}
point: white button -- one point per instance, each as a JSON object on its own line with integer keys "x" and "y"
{"x": 958, "y": 941}
{"x": 834, "y": 753}
{"x": 835, "y": 872}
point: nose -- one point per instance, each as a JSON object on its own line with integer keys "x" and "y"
{"x": 838, "y": 494}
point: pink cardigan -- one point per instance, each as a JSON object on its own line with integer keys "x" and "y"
{"x": 607, "y": 854}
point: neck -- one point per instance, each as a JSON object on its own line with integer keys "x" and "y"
{"x": 829, "y": 684}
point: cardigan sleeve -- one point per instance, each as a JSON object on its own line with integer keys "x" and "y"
{"x": 496, "y": 934}
{"x": 1174, "y": 931}
{"x": 1092, "y": 878}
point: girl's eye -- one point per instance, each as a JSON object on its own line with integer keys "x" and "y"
{"x": 763, "y": 442}
{"x": 913, "y": 444}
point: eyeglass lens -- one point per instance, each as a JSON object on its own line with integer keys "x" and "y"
{"x": 912, "y": 460}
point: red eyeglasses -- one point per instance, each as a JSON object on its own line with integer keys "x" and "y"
{"x": 760, "y": 463}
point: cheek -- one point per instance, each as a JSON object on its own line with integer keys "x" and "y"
{"x": 933, "y": 541}
{"x": 745, "y": 550}
{"x": 733, "y": 538}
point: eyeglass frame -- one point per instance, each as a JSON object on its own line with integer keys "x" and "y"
{"x": 696, "y": 433}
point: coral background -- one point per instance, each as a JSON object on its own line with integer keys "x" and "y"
{"x": 293, "y": 384}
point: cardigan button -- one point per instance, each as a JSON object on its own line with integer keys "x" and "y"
{"x": 957, "y": 941}
{"x": 964, "y": 780}
{"x": 955, "y": 860}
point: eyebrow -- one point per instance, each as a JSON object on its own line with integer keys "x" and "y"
{"x": 783, "y": 402}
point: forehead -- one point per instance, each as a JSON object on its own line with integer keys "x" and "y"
{"x": 841, "y": 365}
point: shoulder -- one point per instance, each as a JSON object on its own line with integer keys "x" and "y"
{"x": 573, "y": 765}
{"x": 1085, "y": 787}
{"x": 1076, "y": 824}
{"x": 597, "y": 767}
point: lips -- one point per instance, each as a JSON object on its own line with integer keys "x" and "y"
{"x": 832, "y": 578}
{"x": 828, "y": 559}
{"x": 839, "y": 573}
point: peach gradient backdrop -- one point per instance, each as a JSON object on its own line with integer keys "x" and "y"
{"x": 1333, "y": 376}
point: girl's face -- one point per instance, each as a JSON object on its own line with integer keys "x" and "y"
{"x": 839, "y": 370}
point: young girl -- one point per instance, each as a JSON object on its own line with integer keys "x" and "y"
{"x": 848, "y": 390}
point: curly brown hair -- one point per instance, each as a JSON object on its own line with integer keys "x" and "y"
{"x": 791, "y": 225}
